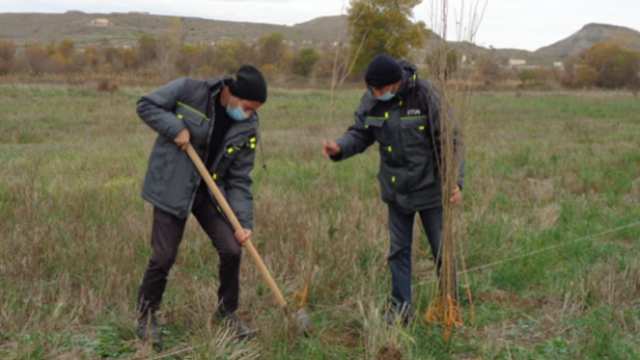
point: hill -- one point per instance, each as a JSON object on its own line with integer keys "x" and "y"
{"x": 588, "y": 36}
{"x": 126, "y": 28}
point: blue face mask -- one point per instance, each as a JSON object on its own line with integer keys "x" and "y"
{"x": 236, "y": 114}
{"x": 386, "y": 96}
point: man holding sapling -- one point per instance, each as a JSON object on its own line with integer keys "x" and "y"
{"x": 402, "y": 113}
{"x": 218, "y": 117}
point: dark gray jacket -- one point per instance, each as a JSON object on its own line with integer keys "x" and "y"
{"x": 408, "y": 131}
{"x": 172, "y": 179}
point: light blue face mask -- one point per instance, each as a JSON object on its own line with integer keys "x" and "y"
{"x": 386, "y": 96}
{"x": 236, "y": 114}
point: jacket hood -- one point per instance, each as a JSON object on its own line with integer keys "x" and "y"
{"x": 410, "y": 78}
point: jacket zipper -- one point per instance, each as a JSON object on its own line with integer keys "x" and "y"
{"x": 206, "y": 155}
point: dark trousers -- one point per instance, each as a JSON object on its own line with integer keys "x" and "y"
{"x": 401, "y": 231}
{"x": 166, "y": 235}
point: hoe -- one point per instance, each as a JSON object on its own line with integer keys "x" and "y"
{"x": 301, "y": 317}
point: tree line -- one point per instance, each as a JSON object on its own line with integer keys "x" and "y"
{"x": 374, "y": 27}
{"x": 167, "y": 57}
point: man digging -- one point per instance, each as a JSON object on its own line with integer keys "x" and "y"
{"x": 218, "y": 117}
{"x": 402, "y": 113}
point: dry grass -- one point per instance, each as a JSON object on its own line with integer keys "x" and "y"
{"x": 75, "y": 233}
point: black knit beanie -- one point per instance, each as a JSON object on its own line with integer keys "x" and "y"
{"x": 383, "y": 70}
{"x": 249, "y": 85}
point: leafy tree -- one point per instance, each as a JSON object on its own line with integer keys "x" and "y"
{"x": 272, "y": 47}
{"x": 305, "y": 61}
{"x": 383, "y": 27}
{"x": 527, "y": 76}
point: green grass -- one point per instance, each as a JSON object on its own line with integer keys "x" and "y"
{"x": 543, "y": 169}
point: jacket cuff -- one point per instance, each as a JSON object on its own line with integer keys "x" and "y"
{"x": 173, "y": 132}
{"x": 343, "y": 147}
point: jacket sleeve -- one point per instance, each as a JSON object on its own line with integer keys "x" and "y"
{"x": 434, "y": 115}
{"x": 238, "y": 187}
{"x": 357, "y": 138}
{"x": 157, "y": 109}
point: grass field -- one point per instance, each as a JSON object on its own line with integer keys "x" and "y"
{"x": 544, "y": 169}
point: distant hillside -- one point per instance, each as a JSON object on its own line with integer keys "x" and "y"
{"x": 127, "y": 28}
{"x": 331, "y": 26}
{"x": 587, "y": 37}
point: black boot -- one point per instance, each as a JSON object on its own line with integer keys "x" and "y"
{"x": 233, "y": 322}
{"x": 399, "y": 314}
{"x": 148, "y": 328}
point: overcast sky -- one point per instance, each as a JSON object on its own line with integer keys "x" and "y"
{"x": 522, "y": 24}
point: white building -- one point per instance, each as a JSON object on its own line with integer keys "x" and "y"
{"x": 514, "y": 63}
{"x": 100, "y": 23}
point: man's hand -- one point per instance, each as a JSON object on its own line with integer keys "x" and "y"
{"x": 243, "y": 236}
{"x": 183, "y": 138}
{"x": 456, "y": 195}
{"x": 330, "y": 148}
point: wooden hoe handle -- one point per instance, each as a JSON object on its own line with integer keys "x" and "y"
{"x": 235, "y": 223}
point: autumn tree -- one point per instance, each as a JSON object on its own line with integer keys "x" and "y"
{"x": 7, "y": 56}
{"x": 487, "y": 70}
{"x": 231, "y": 55}
{"x": 604, "y": 65}
{"x": 37, "y": 58}
{"x": 91, "y": 56}
{"x": 334, "y": 61}
{"x": 147, "y": 49}
{"x": 586, "y": 76}
{"x": 191, "y": 59}
{"x": 272, "y": 47}
{"x": 286, "y": 63}
{"x": 130, "y": 59}
{"x": 383, "y": 27}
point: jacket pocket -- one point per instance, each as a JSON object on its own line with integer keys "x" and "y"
{"x": 414, "y": 130}
{"x": 189, "y": 116}
{"x": 377, "y": 125}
